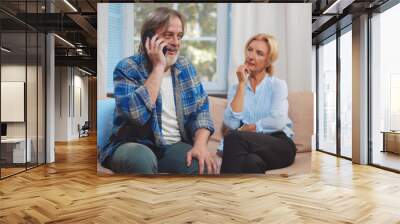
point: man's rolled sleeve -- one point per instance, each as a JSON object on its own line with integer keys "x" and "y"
{"x": 203, "y": 117}
{"x": 144, "y": 95}
{"x": 203, "y": 120}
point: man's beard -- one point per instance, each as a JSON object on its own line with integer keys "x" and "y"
{"x": 171, "y": 60}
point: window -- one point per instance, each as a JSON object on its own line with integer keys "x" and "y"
{"x": 334, "y": 138}
{"x": 327, "y": 97}
{"x": 346, "y": 94}
{"x": 385, "y": 86}
{"x": 204, "y": 44}
{"x": 22, "y": 74}
{"x": 394, "y": 101}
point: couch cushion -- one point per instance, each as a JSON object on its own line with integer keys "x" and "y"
{"x": 301, "y": 112}
{"x": 217, "y": 109}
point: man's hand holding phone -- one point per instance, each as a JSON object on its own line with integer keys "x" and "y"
{"x": 154, "y": 48}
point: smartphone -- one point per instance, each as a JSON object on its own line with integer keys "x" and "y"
{"x": 149, "y": 34}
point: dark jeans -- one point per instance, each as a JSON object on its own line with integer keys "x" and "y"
{"x": 137, "y": 158}
{"x": 250, "y": 152}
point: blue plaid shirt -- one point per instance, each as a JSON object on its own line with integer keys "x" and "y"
{"x": 134, "y": 110}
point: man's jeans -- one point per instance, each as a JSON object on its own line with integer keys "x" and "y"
{"x": 137, "y": 158}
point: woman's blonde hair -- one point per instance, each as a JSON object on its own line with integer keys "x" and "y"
{"x": 272, "y": 49}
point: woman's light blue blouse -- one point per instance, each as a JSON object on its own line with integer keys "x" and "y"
{"x": 267, "y": 107}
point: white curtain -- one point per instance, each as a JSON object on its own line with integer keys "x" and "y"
{"x": 102, "y": 37}
{"x": 110, "y": 50}
{"x": 290, "y": 23}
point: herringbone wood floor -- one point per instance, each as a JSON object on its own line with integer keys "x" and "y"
{"x": 70, "y": 191}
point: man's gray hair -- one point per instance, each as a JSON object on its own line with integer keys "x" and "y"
{"x": 160, "y": 17}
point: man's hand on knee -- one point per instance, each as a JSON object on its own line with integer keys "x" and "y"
{"x": 201, "y": 153}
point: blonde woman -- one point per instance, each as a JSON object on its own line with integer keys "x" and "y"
{"x": 257, "y": 114}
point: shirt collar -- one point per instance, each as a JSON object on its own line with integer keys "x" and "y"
{"x": 175, "y": 69}
{"x": 267, "y": 79}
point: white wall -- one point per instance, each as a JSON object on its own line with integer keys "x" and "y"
{"x": 33, "y": 126}
{"x": 62, "y": 81}
{"x": 15, "y": 72}
{"x": 299, "y": 47}
{"x": 80, "y": 83}
{"x": 290, "y": 25}
{"x": 67, "y": 115}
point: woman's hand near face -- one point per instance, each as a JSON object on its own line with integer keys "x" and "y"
{"x": 238, "y": 100}
{"x": 242, "y": 73}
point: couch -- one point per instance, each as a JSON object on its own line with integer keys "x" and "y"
{"x": 300, "y": 112}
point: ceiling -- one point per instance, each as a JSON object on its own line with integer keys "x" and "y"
{"x": 76, "y": 22}
{"x": 332, "y": 15}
